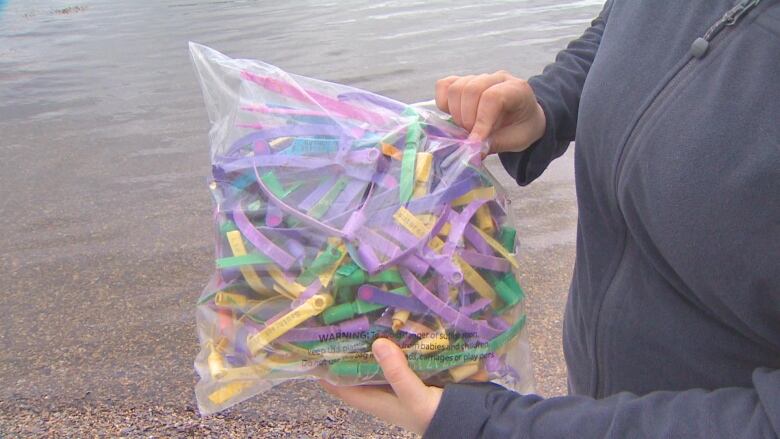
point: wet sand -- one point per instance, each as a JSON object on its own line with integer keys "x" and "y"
{"x": 107, "y": 241}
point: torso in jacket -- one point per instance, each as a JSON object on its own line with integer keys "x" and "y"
{"x": 677, "y": 163}
{"x": 677, "y": 276}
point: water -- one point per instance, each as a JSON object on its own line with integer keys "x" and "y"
{"x": 105, "y": 240}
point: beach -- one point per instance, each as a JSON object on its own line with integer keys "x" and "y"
{"x": 107, "y": 238}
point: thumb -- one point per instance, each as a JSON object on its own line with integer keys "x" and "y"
{"x": 405, "y": 383}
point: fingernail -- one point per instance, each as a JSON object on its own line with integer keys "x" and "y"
{"x": 474, "y": 137}
{"x": 487, "y": 147}
{"x": 381, "y": 349}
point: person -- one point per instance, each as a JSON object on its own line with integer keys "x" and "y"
{"x": 672, "y": 325}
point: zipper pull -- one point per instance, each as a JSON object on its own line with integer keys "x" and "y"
{"x": 700, "y": 45}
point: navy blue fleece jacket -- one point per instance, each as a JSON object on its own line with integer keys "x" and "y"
{"x": 672, "y": 327}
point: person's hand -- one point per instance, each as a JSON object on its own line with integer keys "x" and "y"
{"x": 497, "y": 107}
{"x": 406, "y": 402}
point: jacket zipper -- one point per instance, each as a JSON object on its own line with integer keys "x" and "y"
{"x": 730, "y": 18}
{"x": 699, "y": 49}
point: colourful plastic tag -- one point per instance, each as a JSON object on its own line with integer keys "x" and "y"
{"x": 313, "y": 306}
{"x": 237, "y": 246}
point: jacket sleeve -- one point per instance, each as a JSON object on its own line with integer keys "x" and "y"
{"x": 558, "y": 91}
{"x": 490, "y": 411}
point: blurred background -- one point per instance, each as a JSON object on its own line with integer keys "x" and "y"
{"x": 105, "y": 237}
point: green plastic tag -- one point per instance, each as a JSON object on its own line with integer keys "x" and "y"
{"x": 237, "y": 261}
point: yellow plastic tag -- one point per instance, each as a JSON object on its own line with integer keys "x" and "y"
{"x": 484, "y": 220}
{"x": 399, "y": 319}
{"x": 327, "y": 275}
{"x": 280, "y": 142}
{"x": 282, "y": 292}
{"x": 237, "y": 247}
{"x": 418, "y": 228}
{"x": 480, "y": 193}
{"x": 310, "y": 308}
{"x": 420, "y": 189}
{"x": 460, "y": 373}
{"x": 259, "y": 370}
{"x": 416, "y": 327}
{"x": 410, "y": 222}
{"x": 229, "y": 391}
{"x": 291, "y": 287}
{"x": 435, "y": 244}
{"x": 297, "y": 350}
{"x": 427, "y": 219}
{"x": 216, "y": 364}
{"x": 231, "y": 300}
{"x": 472, "y": 277}
{"x": 422, "y": 170}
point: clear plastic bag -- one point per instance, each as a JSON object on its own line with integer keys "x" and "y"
{"x": 342, "y": 216}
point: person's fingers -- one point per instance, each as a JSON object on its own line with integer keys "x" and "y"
{"x": 406, "y": 402}
{"x": 442, "y": 86}
{"x": 472, "y": 92}
{"x": 498, "y": 101}
{"x": 366, "y": 398}
{"x": 336, "y": 390}
{"x": 405, "y": 383}
{"x": 454, "y": 93}
{"x": 328, "y": 387}
{"x": 518, "y": 136}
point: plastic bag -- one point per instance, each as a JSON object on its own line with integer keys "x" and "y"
{"x": 342, "y": 216}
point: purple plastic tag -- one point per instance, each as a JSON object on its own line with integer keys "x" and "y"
{"x": 475, "y": 239}
{"x": 447, "y": 313}
{"x": 352, "y": 225}
{"x": 480, "y": 260}
{"x": 261, "y": 243}
{"x": 478, "y": 305}
{"x": 342, "y": 202}
{"x": 458, "y": 223}
{"x": 273, "y": 215}
{"x": 317, "y": 193}
{"x": 368, "y": 258}
{"x": 372, "y": 294}
{"x": 313, "y": 288}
